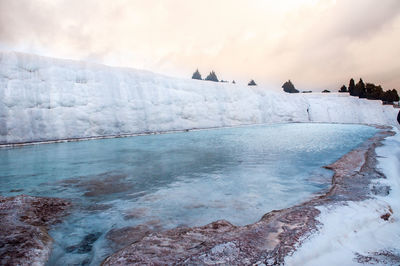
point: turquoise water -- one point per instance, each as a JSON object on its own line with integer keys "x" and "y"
{"x": 170, "y": 180}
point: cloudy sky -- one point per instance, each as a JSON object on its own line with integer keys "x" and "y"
{"x": 316, "y": 43}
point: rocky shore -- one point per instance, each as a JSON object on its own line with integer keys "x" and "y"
{"x": 268, "y": 241}
{"x": 24, "y": 223}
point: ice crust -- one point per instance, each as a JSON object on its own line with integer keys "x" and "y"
{"x": 45, "y": 99}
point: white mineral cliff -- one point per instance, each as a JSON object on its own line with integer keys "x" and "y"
{"x": 50, "y": 99}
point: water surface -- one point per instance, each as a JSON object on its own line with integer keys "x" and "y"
{"x": 170, "y": 180}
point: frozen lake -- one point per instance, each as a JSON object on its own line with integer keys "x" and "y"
{"x": 170, "y": 180}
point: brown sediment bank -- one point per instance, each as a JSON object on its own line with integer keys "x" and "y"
{"x": 24, "y": 223}
{"x": 267, "y": 241}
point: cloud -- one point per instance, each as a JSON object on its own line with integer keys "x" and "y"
{"x": 317, "y": 44}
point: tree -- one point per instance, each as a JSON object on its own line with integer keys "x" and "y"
{"x": 363, "y": 93}
{"x": 343, "y": 89}
{"x": 359, "y": 89}
{"x": 289, "y": 87}
{"x": 196, "y": 75}
{"x": 212, "y": 77}
{"x": 396, "y": 97}
{"x": 252, "y": 83}
{"x": 351, "y": 87}
{"x": 373, "y": 92}
{"x": 390, "y": 96}
{"x": 385, "y": 97}
{"x": 233, "y": 82}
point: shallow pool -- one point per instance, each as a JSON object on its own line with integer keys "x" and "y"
{"x": 170, "y": 180}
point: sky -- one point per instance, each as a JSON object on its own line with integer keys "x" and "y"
{"x": 318, "y": 44}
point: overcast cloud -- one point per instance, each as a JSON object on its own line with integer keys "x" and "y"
{"x": 317, "y": 44}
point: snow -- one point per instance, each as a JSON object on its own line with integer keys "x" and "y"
{"x": 357, "y": 228}
{"x": 45, "y": 99}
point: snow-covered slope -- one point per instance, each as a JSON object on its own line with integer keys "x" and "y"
{"x": 49, "y": 99}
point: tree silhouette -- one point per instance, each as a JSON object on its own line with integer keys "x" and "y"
{"x": 343, "y": 89}
{"x": 252, "y": 83}
{"x": 390, "y": 96}
{"x": 395, "y": 95}
{"x": 351, "y": 87}
{"x": 196, "y": 75}
{"x": 373, "y": 92}
{"x": 359, "y": 89}
{"x": 212, "y": 76}
{"x": 289, "y": 87}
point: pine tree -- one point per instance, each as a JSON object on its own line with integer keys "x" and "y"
{"x": 233, "y": 82}
{"x": 351, "y": 87}
{"x": 252, "y": 83}
{"x": 361, "y": 89}
{"x": 196, "y": 75}
{"x": 212, "y": 76}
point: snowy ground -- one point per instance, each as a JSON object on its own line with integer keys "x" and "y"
{"x": 45, "y": 99}
{"x": 358, "y": 232}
